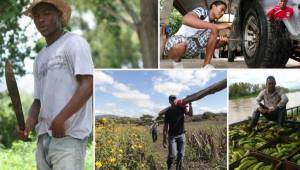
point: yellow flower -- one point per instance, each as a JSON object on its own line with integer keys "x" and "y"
{"x": 98, "y": 164}
{"x": 140, "y": 146}
{"x": 112, "y": 160}
{"x": 113, "y": 150}
{"x": 103, "y": 120}
{"x": 120, "y": 150}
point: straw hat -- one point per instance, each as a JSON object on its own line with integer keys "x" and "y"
{"x": 61, "y": 5}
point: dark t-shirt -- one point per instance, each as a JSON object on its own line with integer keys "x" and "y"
{"x": 175, "y": 118}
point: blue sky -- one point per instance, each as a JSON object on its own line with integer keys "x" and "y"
{"x": 137, "y": 92}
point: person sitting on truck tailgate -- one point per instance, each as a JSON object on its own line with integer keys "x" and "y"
{"x": 274, "y": 106}
{"x": 281, "y": 11}
{"x": 197, "y": 31}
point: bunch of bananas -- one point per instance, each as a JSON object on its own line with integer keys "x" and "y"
{"x": 296, "y": 159}
{"x": 251, "y": 162}
{"x": 242, "y": 140}
{"x": 236, "y": 155}
{"x": 295, "y": 136}
{"x": 281, "y": 150}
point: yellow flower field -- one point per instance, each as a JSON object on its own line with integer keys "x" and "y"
{"x": 121, "y": 146}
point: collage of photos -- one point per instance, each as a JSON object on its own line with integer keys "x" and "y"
{"x": 150, "y": 85}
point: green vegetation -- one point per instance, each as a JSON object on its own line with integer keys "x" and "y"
{"x": 119, "y": 32}
{"x": 22, "y": 156}
{"x": 129, "y": 145}
{"x": 238, "y": 90}
{"x": 12, "y": 39}
{"x": 270, "y": 139}
{"x": 16, "y": 154}
{"x": 8, "y": 119}
{"x": 175, "y": 20}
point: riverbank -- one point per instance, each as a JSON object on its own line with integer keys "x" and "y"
{"x": 255, "y": 94}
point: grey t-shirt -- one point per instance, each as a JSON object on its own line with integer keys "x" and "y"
{"x": 55, "y": 70}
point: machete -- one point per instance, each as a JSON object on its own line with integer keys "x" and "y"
{"x": 202, "y": 93}
{"x": 14, "y": 94}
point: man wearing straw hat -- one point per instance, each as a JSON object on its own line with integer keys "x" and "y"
{"x": 62, "y": 108}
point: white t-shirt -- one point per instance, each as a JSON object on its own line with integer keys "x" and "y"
{"x": 55, "y": 70}
{"x": 188, "y": 31}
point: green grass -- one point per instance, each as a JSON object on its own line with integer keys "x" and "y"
{"x": 21, "y": 156}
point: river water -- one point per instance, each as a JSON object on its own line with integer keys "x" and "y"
{"x": 241, "y": 109}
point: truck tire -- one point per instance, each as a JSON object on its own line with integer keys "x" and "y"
{"x": 279, "y": 48}
{"x": 266, "y": 43}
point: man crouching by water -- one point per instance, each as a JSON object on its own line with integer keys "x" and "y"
{"x": 274, "y": 106}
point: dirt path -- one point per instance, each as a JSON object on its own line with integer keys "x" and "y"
{"x": 159, "y": 150}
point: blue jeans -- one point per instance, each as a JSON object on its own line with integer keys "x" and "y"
{"x": 176, "y": 148}
{"x": 65, "y": 153}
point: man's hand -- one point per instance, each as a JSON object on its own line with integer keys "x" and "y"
{"x": 262, "y": 110}
{"x": 223, "y": 26}
{"x": 223, "y": 40}
{"x": 58, "y": 127}
{"x": 165, "y": 143}
{"x": 272, "y": 109}
{"x": 30, "y": 122}
{"x": 22, "y": 135}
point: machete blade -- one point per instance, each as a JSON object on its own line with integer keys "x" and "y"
{"x": 14, "y": 94}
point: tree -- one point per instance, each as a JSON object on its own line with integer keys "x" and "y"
{"x": 113, "y": 18}
{"x": 146, "y": 119}
{"x": 147, "y": 31}
{"x": 12, "y": 38}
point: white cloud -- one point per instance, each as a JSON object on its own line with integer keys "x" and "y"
{"x": 135, "y": 97}
{"x": 192, "y": 77}
{"x": 167, "y": 88}
{"x": 120, "y": 86}
{"x": 101, "y": 78}
{"x": 101, "y": 89}
{"x": 170, "y": 82}
{"x": 176, "y": 81}
{"x": 107, "y": 84}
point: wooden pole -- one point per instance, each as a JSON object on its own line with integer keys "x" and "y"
{"x": 202, "y": 93}
{"x": 166, "y": 11}
{"x": 164, "y": 19}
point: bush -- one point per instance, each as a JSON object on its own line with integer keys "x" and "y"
{"x": 8, "y": 120}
